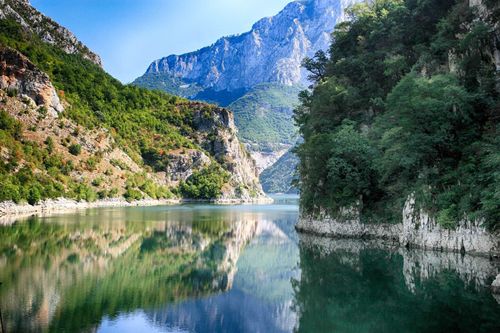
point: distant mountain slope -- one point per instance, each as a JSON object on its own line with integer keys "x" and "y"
{"x": 263, "y": 115}
{"x": 278, "y": 177}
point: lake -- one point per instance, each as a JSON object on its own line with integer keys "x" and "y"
{"x": 208, "y": 268}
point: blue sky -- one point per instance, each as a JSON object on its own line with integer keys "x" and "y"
{"x": 129, "y": 34}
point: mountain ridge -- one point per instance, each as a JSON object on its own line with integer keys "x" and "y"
{"x": 272, "y": 51}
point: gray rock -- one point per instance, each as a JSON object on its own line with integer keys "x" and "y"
{"x": 495, "y": 286}
{"x": 18, "y": 73}
{"x": 271, "y": 52}
{"x": 418, "y": 230}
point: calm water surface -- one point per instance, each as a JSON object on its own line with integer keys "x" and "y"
{"x": 203, "y": 268}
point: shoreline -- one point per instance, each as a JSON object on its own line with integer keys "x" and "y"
{"x": 10, "y": 211}
{"x": 424, "y": 235}
{"x": 417, "y": 230}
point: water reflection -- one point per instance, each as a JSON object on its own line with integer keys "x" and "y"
{"x": 353, "y": 286}
{"x": 66, "y": 273}
{"x": 203, "y": 268}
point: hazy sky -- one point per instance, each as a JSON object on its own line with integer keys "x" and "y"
{"x": 130, "y": 34}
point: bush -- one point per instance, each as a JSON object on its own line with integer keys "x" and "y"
{"x": 50, "y": 145}
{"x": 34, "y": 196}
{"x": 205, "y": 184}
{"x": 75, "y": 149}
{"x": 133, "y": 195}
{"x": 9, "y": 191}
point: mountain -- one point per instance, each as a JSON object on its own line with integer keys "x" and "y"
{"x": 279, "y": 176}
{"x": 68, "y": 129}
{"x": 271, "y": 52}
{"x": 49, "y": 31}
{"x": 257, "y": 74}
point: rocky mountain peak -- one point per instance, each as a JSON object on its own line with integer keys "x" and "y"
{"x": 271, "y": 52}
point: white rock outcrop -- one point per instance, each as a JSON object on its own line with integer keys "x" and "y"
{"x": 417, "y": 230}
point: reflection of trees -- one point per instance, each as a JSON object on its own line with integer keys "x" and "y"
{"x": 349, "y": 287}
{"x": 66, "y": 277}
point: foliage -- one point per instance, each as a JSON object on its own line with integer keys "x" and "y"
{"x": 405, "y": 104}
{"x": 206, "y": 183}
{"x": 136, "y": 117}
{"x": 264, "y": 114}
{"x": 145, "y": 124}
{"x": 75, "y": 149}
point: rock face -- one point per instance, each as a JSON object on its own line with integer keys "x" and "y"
{"x": 271, "y": 52}
{"x": 418, "y": 230}
{"x": 216, "y": 133}
{"x": 19, "y": 75}
{"x": 495, "y": 286}
{"x": 49, "y": 31}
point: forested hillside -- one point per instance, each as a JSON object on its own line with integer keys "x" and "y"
{"x": 406, "y": 103}
{"x": 69, "y": 129}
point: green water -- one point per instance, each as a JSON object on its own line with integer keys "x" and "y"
{"x": 205, "y": 268}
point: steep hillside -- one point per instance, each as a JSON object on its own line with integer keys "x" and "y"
{"x": 69, "y": 129}
{"x": 279, "y": 177}
{"x": 49, "y": 31}
{"x": 405, "y": 113}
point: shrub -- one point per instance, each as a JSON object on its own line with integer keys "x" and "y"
{"x": 75, "y": 149}
{"x": 132, "y": 195}
{"x": 205, "y": 184}
{"x": 34, "y": 196}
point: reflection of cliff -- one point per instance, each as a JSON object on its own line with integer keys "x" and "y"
{"x": 418, "y": 266}
{"x": 356, "y": 286}
{"x": 67, "y": 277}
{"x": 261, "y": 299}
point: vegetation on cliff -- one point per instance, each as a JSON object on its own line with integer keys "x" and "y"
{"x": 145, "y": 124}
{"x": 264, "y": 115}
{"x": 406, "y": 103}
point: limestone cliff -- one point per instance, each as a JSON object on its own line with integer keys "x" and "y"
{"x": 19, "y": 75}
{"x": 272, "y": 51}
{"x": 418, "y": 229}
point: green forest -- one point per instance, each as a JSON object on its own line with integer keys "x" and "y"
{"x": 143, "y": 123}
{"x": 405, "y": 104}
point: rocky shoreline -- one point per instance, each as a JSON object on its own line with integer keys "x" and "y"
{"x": 10, "y": 211}
{"x": 418, "y": 230}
